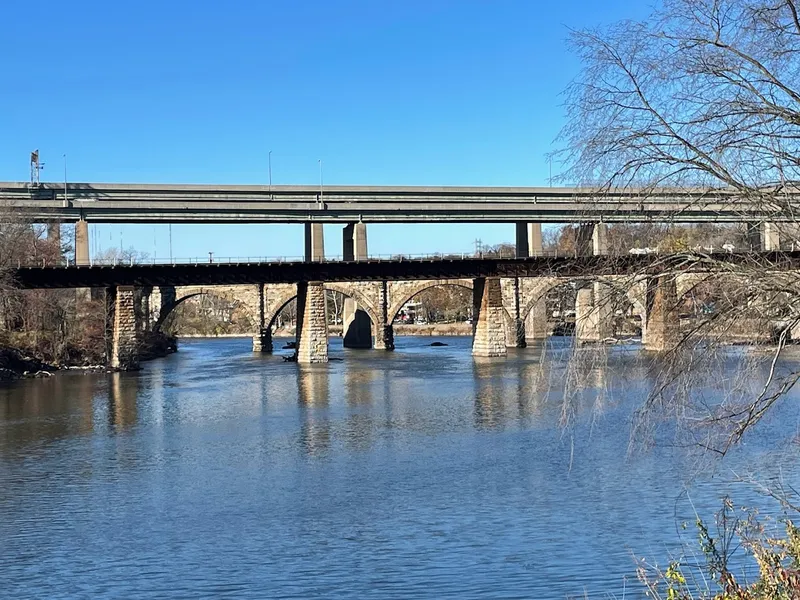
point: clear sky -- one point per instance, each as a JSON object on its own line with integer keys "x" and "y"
{"x": 433, "y": 92}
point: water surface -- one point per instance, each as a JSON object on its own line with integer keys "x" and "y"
{"x": 421, "y": 473}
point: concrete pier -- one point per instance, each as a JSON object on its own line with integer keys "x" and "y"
{"x": 314, "y": 243}
{"x": 356, "y": 324}
{"x": 529, "y": 240}
{"x": 312, "y": 323}
{"x": 489, "y": 339}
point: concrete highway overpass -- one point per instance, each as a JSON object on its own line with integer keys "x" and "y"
{"x": 161, "y": 203}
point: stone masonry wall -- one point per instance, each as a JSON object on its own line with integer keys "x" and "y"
{"x": 312, "y": 326}
{"x": 125, "y": 341}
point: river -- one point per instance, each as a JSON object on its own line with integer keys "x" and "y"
{"x": 419, "y": 473}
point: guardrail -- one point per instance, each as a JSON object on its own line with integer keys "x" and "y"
{"x": 228, "y": 260}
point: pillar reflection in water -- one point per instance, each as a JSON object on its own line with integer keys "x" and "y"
{"x": 123, "y": 390}
{"x": 313, "y": 396}
{"x": 360, "y": 427}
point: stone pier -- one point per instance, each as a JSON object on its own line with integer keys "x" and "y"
{"x": 489, "y": 338}
{"x": 262, "y": 340}
{"x": 384, "y": 331}
{"x": 356, "y": 324}
{"x": 594, "y": 313}
{"x": 312, "y": 323}
{"x": 663, "y": 321}
{"x": 124, "y": 349}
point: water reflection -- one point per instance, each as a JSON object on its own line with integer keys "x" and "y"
{"x": 123, "y": 393}
{"x": 419, "y": 473}
{"x": 313, "y": 398}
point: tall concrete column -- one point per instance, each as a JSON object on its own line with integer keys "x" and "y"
{"x": 81, "y": 243}
{"x": 600, "y": 239}
{"x": 82, "y": 257}
{"x": 763, "y": 237}
{"x": 529, "y": 239}
{"x": 124, "y": 331}
{"x": 315, "y": 243}
{"x": 356, "y": 324}
{"x": 312, "y": 323}
{"x": 663, "y": 321}
{"x": 54, "y": 236}
{"x": 262, "y": 340}
{"x": 489, "y": 337}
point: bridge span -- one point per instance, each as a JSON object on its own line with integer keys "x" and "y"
{"x": 171, "y": 203}
{"x": 508, "y": 295}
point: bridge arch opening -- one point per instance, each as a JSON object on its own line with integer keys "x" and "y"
{"x": 553, "y": 309}
{"x": 456, "y": 307}
{"x": 206, "y": 312}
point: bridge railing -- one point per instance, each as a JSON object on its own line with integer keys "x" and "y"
{"x": 227, "y": 260}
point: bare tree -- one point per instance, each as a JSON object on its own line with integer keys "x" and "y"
{"x": 703, "y": 94}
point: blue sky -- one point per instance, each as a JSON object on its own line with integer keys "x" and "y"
{"x": 421, "y": 92}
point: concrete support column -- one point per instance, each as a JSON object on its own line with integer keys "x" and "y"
{"x": 354, "y": 242}
{"x": 262, "y": 340}
{"x": 763, "y": 237}
{"x": 663, "y": 321}
{"x": 81, "y": 243}
{"x": 584, "y": 239}
{"x": 54, "y": 236}
{"x": 771, "y": 237}
{"x": 487, "y": 317}
{"x": 356, "y": 324}
{"x": 312, "y": 323}
{"x": 315, "y": 243}
{"x": 124, "y": 331}
{"x": 529, "y": 239}
{"x": 82, "y": 257}
{"x": 600, "y": 239}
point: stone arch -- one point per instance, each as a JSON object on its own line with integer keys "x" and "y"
{"x": 417, "y": 288}
{"x": 361, "y": 299}
{"x": 238, "y": 294}
{"x": 283, "y": 300}
{"x": 633, "y": 294}
{"x": 421, "y": 286}
{"x": 166, "y": 310}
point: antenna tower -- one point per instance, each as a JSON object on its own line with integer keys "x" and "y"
{"x": 36, "y": 167}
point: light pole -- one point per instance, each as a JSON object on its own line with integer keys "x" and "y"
{"x": 320, "y": 180}
{"x": 270, "y": 174}
{"x": 66, "y": 201}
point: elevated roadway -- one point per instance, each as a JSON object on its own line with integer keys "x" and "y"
{"x": 157, "y": 203}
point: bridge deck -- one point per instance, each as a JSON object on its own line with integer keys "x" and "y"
{"x": 292, "y": 272}
{"x": 148, "y": 203}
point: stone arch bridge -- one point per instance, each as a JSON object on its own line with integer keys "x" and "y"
{"x": 506, "y": 310}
